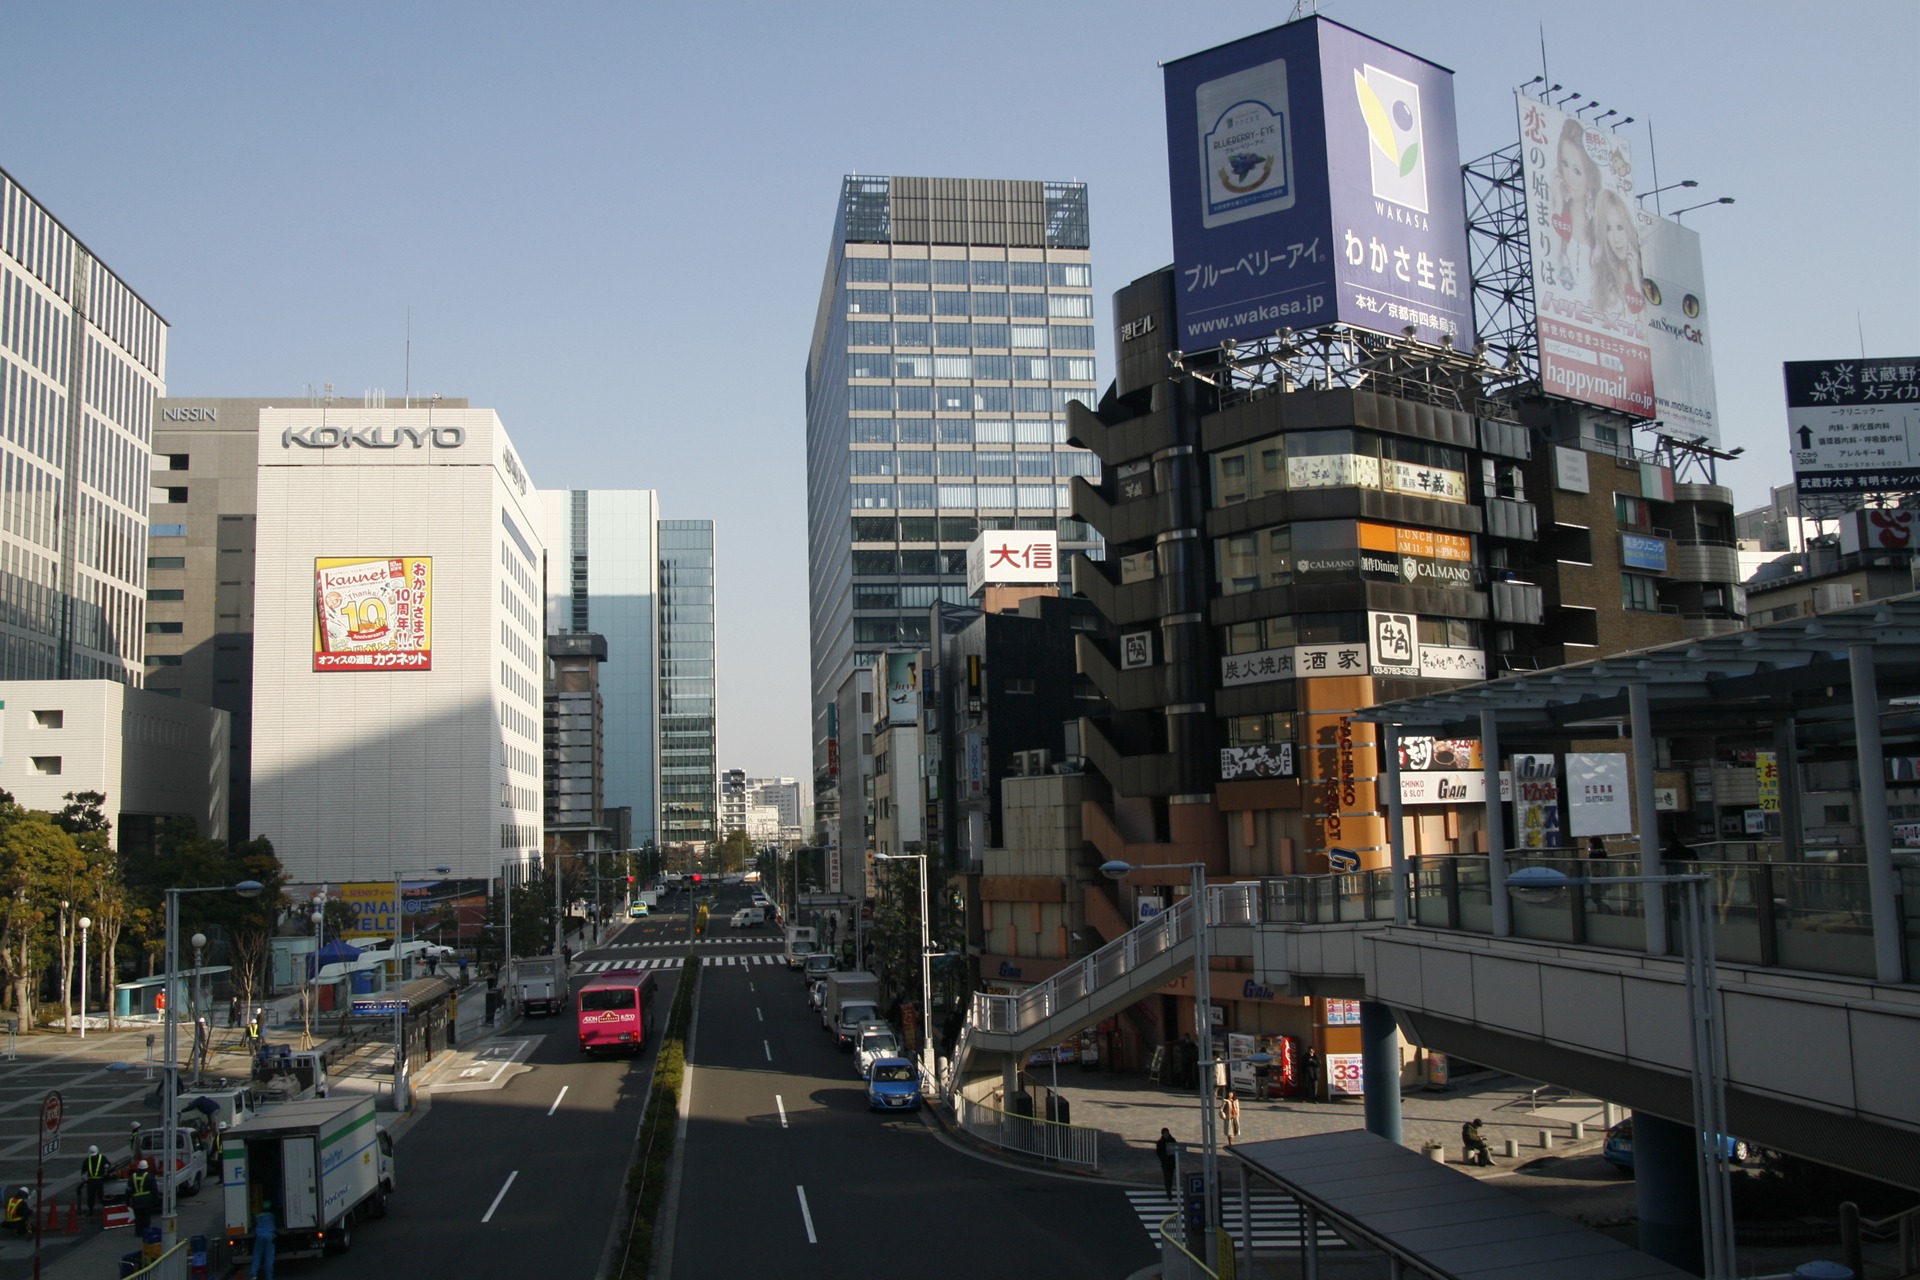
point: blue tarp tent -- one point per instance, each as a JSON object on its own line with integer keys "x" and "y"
{"x": 335, "y": 952}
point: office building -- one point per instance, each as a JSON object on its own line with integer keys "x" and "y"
{"x": 575, "y": 745}
{"x": 398, "y": 652}
{"x": 151, "y": 756}
{"x": 206, "y": 463}
{"x": 955, "y": 324}
{"x": 689, "y": 800}
{"x": 82, "y": 358}
{"x": 604, "y": 579}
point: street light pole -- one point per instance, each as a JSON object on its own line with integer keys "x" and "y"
{"x": 1706, "y": 1067}
{"x": 85, "y": 924}
{"x": 170, "y": 1071}
{"x": 400, "y": 1099}
{"x": 1203, "y": 1034}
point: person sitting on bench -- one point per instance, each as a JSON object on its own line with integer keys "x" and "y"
{"x": 1475, "y": 1142}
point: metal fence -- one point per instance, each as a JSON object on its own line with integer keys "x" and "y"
{"x": 1068, "y": 1144}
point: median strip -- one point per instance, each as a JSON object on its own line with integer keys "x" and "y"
{"x": 653, "y": 1148}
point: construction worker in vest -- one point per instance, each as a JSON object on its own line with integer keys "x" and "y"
{"x": 93, "y": 1177}
{"x": 141, "y": 1197}
{"x": 19, "y": 1216}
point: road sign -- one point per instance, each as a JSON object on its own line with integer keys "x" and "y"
{"x": 51, "y": 1111}
{"x": 51, "y": 1147}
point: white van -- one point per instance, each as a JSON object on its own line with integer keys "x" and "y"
{"x": 749, "y": 918}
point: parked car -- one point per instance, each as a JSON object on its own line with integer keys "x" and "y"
{"x": 876, "y": 1041}
{"x": 893, "y": 1084}
{"x": 816, "y": 992}
{"x": 1618, "y": 1148}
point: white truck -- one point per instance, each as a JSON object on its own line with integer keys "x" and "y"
{"x": 189, "y": 1162}
{"x": 802, "y": 942}
{"x": 852, "y": 997}
{"x": 540, "y": 984}
{"x": 323, "y": 1163}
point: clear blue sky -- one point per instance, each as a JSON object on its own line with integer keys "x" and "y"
{"x": 610, "y": 220}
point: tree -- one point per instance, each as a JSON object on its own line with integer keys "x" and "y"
{"x": 39, "y": 863}
{"x": 181, "y": 858}
{"x": 736, "y": 851}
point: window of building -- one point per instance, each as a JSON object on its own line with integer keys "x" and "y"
{"x": 1838, "y": 815}
{"x": 160, "y": 496}
{"x": 166, "y": 593}
{"x": 50, "y": 719}
{"x": 1019, "y": 684}
{"x": 166, "y": 562}
{"x": 165, "y": 628}
{"x": 167, "y": 531}
{"x": 1631, "y": 511}
{"x": 164, "y": 659}
{"x": 1639, "y": 593}
{"x": 48, "y": 766}
{"x": 174, "y": 461}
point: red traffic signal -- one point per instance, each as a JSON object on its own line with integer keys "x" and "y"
{"x": 629, "y": 879}
{"x": 696, "y": 877}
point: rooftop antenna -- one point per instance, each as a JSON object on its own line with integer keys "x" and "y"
{"x": 1304, "y": 9}
{"x": 1861, "y": 325}
{"x": 1545, "y": 75}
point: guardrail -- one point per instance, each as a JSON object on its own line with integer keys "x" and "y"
{"x": 1069, "y": 1144}
{"x": 1175, "y": 1262}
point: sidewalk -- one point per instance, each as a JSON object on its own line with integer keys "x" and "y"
{"x": 1129, "y": 1112}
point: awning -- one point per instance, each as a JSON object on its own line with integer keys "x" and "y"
{"x": 1438, "y": 1220}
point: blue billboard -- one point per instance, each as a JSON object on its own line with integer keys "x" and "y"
{"x": 1315, "y": 177}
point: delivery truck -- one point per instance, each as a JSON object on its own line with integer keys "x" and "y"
{"x": 802, "y": 942}
{"x": 540, "y": 984}
{"x": 851, "y": 997}
{"x": 323, "y": 1164}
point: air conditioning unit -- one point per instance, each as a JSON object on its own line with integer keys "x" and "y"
{"x": 1039, "y": 762}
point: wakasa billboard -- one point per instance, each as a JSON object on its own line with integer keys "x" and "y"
{"x": 373, "y": 614}
{"x": 1590, "y": 305}
{"x": 1855, "y": 425}
{"x": 1315, "y": 177}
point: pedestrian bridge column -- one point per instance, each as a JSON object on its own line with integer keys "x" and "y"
{"x": 1380, "y": 1069}
{"x": 1666, "y": 1189}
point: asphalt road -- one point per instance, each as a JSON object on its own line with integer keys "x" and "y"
{"x": 523, "y": 1180}
{"x": 779, "y": 1137}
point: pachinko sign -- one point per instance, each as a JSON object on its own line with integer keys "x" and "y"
{"x": 373, "y": 614}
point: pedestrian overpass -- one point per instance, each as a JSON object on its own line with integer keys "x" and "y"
{"x": 1819, "y": 1061}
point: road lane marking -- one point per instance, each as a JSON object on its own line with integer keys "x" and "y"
{"x": 768, "y": 1048}
{"x": 556, "y": 1102}
{"x": 760, "y": 1013}
{"x": 807, "y": 1216}
{"x": 783, "y": 1110}
{"x": 502, "y": 1196}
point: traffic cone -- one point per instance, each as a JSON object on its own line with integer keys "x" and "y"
{"x": 73, "y": 1217}
{"x": 53, "y": 1217}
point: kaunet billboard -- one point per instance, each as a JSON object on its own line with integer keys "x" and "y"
{"x": 1315, "y": 177}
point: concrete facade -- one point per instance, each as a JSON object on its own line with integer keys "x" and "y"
{"x": 356, "y": 770}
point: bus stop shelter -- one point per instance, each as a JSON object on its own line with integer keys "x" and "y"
{"x": 1430, "y": 1220}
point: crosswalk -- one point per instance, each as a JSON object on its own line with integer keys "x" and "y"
{"x": 735, "y": 940}
{"x": 673, "y": 962}
{"x": 1277, "y": 1220}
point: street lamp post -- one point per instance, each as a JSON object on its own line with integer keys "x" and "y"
{"x": 86, "y": 923}
{"x": 399, "y": 975}
{"x": 195, "y": 1005}
{"x": 170, "y": 1079}
{"x": 1706, "y": 1067}
{"x": 926, "y": 965}
{"x": 66, "y": 973}
{"x": 1203, "y": 1034}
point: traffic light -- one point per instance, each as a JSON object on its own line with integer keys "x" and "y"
{"x": 696, "y": 877}
{"x": 629, "y": 879}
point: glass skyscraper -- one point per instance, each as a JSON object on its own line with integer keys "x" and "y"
{"x": 604, "y": 578}
{"x": 82, "y": 359}
{"x": 689, "y": 803}
{"x": 955, "y": 323}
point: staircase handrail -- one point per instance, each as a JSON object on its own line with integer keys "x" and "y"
{"x": 1228, "y": 904}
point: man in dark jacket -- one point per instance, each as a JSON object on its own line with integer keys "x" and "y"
{"x": 1165, "y": 1147}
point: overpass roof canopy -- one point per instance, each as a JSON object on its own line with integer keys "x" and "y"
{"x": 1750, "y": 678}
{"x": 1437, "y": 1220}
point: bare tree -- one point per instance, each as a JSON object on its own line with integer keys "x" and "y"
{"x": 248, "y": 946}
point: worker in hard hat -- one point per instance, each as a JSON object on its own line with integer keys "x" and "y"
{"x": 19, "y": 1214}
{"x": 93, "y": 1178}
{"x": 141, "y": 1196}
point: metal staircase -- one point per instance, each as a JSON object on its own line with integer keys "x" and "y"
{"x": 1136, "y": 964}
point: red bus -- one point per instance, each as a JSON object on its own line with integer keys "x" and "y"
{"x": 615, "y": 1011}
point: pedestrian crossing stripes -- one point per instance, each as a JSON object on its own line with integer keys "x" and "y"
{"x": 698, "y": 942}
{"x": 1277, "y": 1220}
{"x": 672, "y": 962}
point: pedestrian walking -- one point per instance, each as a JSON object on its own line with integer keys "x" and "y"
{"x": 1230, "y": 1114}
{"x": 433, "y": 966}
{"x": 93, "y": 1179}
{"x": 264, "y": 1229}
{"x": 233, "y": 1013}
{"x": 463, "y": 971}
{"x": 566, "y": 956}
{"x": 1165, "y": 1147}
{"x": 1310, "y": 1074}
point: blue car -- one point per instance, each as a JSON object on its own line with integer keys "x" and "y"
{"x": 1618, "y": 1148}
{"x": 893, "y": 1084}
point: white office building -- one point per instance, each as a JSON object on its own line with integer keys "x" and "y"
{"x": 398, "y": 644}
